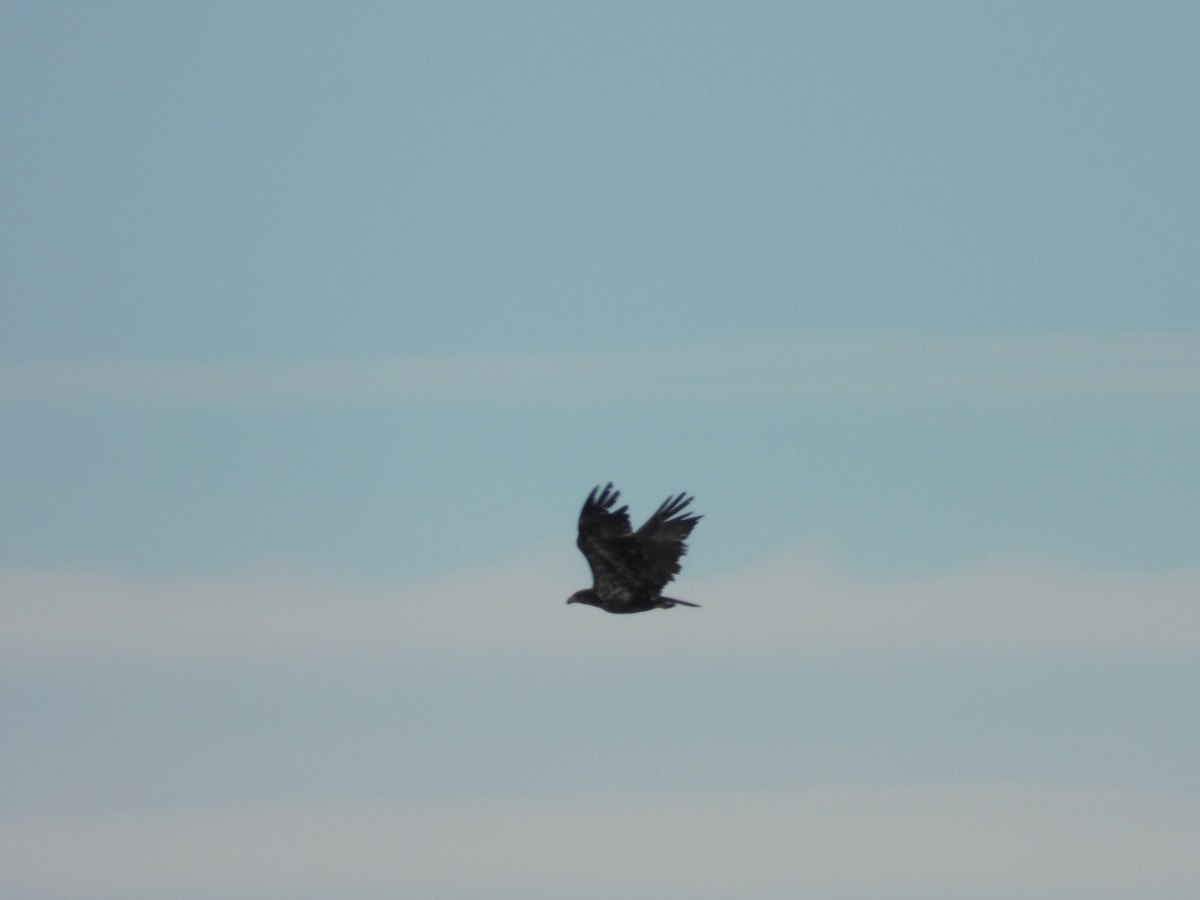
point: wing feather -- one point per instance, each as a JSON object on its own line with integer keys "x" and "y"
{"x": 663, "y": 538}
{"x": 607, "y": 543}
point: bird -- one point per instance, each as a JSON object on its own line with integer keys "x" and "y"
{"x": 631, "y": 568}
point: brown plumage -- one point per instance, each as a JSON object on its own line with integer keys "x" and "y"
{"x": 631, "y": 568}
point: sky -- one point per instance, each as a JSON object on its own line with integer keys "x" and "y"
{"x": 320, "y": 322}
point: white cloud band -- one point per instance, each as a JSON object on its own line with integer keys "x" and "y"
{"x": 1160, "y": 367}
{"x": 987, "y": 841}
{"x": 798, "y": 601}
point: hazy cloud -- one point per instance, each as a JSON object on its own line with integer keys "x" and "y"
{"x": 799, "y": 600}
{"x": 987, "y": 841}
{"x": 1161, "y": 367}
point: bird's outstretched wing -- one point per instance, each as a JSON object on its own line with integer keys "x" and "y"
{"x": 607, "y": 543}
{"x": 662, "y": 540}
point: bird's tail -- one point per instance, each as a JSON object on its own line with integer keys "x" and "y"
{"x": 668, "y": 602}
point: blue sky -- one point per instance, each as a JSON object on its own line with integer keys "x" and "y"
{"x": 321, "y": 322}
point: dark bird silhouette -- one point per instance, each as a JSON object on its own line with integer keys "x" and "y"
{"x": 631, "y": 568}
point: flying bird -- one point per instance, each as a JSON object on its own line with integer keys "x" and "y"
{"x": 631, "y": 568}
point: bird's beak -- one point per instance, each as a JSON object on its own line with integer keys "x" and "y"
{"x": 570, "y": 599}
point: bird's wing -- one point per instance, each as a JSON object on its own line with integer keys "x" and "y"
{"x": 662, "y": 539}
{"x": 614, "y": 555}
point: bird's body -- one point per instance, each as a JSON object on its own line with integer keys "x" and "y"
{"x": 631, "y": 568}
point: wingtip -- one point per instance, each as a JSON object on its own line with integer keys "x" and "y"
{"x": 602, "y": 497}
